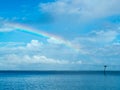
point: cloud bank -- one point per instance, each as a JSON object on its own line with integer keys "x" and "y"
{"x": 86, "y": 8}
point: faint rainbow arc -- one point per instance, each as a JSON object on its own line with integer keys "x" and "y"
{"x": 44, "y": 34}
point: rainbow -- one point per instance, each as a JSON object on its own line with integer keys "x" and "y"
{"x": 31, "y": 30}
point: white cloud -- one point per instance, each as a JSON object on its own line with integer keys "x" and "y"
{"x": 84, "y": 8}
{"x": 103, "y": 36}
{"x": 28, "y": 59}
{"x": 98, "y": 37}
{"x": 34, "y": 52}
{"x": 34, "y": 44}
{"x": 54, "y": 41}
{"x": 101, "y": 46}
{"x": 4, "y": 27}
{"x": 17, "y": 59}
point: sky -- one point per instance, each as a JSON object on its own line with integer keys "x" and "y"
{"x": 59, "y": 34}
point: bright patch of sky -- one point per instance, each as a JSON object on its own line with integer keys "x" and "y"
{"x": 59, "y": 34}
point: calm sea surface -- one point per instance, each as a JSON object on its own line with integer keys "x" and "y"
{"x": 54, "y": 80}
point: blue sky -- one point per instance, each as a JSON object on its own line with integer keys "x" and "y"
{"x": 78, "y": 34}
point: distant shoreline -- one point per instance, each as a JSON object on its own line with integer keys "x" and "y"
{"x": 67, "y": 72}
{"x": 59, "y": 70}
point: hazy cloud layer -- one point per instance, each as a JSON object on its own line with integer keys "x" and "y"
{"x": 86, "y": 8}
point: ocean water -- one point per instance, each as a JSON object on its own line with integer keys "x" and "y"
{"x": 59, "y": 80}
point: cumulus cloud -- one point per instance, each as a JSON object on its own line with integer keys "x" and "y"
{"x": 34, "y": 52}
{"x": 19, "y": 60}
{"x": 28, "y": 59}
{"x": 29, "y": 54}
{"x": 100, "y": 46}
{"x": 37, "y": 52}
{"x": 34, "y": 44}
{"x": 98, "y": 37}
